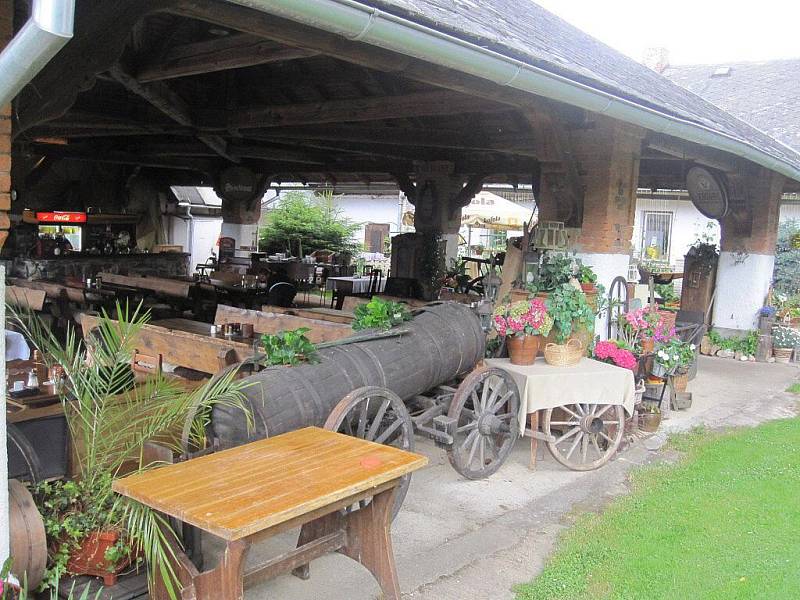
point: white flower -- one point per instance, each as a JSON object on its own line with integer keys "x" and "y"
{"x": 692, "y": 347}
{"x": 676, "y": 357}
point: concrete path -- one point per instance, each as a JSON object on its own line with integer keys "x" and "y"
{"x": 457, "y": 539}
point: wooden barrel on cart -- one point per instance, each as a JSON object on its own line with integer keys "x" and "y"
{"x": 28, "y": 544}
{"x": 444, "y": 341}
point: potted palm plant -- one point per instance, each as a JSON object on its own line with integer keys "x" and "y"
{"x": 523, "y": 324}
{"x": 92, "y": 530}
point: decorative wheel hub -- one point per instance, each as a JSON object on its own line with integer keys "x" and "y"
{"x": 591, "y": 424}
{"x": 489, "y": 424}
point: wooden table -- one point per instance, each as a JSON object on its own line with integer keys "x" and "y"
{"x": 302, "y": 478}
{"x": 585, "y": 385}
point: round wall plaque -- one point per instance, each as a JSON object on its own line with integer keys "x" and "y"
{"x": 707, "y": 192}
{"x": 237, "y": 184}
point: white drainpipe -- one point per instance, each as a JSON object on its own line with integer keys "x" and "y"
{"x": 46, "y": 32}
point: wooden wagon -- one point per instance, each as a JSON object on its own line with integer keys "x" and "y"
{"x": 425, "y": 378}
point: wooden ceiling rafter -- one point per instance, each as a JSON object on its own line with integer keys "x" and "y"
{"x": 163, "y": 98}
{"x": 210, "y": 56}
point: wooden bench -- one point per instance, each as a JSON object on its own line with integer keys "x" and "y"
{"x": 273, "y": 322}
{"x": 321, "y": 314}
{"x": 304, "y": 478}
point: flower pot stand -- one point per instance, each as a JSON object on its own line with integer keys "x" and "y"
{"x": 128, "y": 587}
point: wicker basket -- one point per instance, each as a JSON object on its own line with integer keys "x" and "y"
{"x": 563, "y": 355}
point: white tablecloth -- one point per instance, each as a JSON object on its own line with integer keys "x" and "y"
{"x": 360, "y": 285}
{"x": 16, "y": 346}
{"x": 588, "y": 382}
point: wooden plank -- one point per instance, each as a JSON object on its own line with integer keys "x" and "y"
{"x": 184, "y": 349}
{"x": 242, "y": 491}
{"x": 161, "y": 285}
{"x": 233, "y": 52}
{"x": 322, "y": 314}
{"x": 269, "y": 322}
{"x": 25, "y": 297}
{"x": 54, "y": 290}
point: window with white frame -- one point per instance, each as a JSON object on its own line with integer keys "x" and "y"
{"x": 656, "y": 234}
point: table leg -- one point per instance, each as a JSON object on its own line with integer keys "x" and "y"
{"x": 225, "y": 582}
{"x": 369, "y": 541}
{"x": 534, "y": 440}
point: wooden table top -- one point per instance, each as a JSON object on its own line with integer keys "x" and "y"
{"x": 242, "y": 491}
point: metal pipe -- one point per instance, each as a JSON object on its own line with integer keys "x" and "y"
{"x": 49, "y": 28}
{"x": 357, "y": 21}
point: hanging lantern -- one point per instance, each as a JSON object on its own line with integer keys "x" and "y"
{"x": 550, "y": 235}
{"x": 484, "y": 310}
{"x": 530, "y": 267}
{"x": 491, "y": 286}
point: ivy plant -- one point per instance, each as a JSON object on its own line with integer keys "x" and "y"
{"x": 290, "y": 347}
{"x": 554, "y": 271}
{"x": 380, "y": 314}
{"x": 568, "y": 307}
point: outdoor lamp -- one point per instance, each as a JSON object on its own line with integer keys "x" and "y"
{"x": 530, "y": 267}
{"x": 491, "y": 286}
{"x": 484, "y": 311}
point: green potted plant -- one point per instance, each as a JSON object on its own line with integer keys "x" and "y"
{"x": 784, "y": 340}
{"x": 288, "y": 348}
{"x": 672, "y": 356}
{"x": 554, "y": 271}
{"x": 523, "y": 324}
{"x": 110, "y": 422}
{"x": 587, "y": 278}
{"x": 380, "y": 314}
{"x": 572, "y": 318}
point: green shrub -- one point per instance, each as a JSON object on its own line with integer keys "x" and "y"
{"x": 288, "y": 347}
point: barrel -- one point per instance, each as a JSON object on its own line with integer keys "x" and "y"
{"x": 444, "y": 341}
{"x": 28, "y": 543}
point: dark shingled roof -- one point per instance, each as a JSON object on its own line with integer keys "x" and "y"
{"x": 523, "y": 30}
{"x": 765, "y": 94}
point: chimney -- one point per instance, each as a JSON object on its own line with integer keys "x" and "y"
{"x": 656, "y": 59}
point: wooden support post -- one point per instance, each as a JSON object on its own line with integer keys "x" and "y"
{"x": 534, "y": 440}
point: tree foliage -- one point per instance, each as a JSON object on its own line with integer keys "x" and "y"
{"x": 787, "y": 259}
{"x": 303, "y": 224}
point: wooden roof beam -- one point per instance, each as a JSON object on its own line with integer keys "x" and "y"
{"x": 699, "y": 154}
{"x": 418, "y": 104}
{"x": 172, "y": 105}
{"x": 232, "y": 52}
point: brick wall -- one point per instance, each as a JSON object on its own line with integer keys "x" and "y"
{"x": 607, "y": 158}
{"x": 752, "y": 223}
{"x": 6, "y": 33}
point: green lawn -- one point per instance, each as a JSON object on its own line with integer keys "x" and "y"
{"x": 722, "y": 523}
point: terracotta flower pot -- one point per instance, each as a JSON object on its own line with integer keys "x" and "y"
{"x": 588, "y": 287}
{"x": 522, "y": 349}
{"x": 90, "y": 557}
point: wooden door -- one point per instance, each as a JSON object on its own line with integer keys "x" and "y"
{"x": 375, "y": 235}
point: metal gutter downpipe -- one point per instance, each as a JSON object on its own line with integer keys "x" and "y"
{"x": 46, "y": 32}
{"x": 357, "y": 21}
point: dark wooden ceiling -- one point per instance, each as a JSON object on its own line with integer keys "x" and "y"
{"x": 185, "y": 88}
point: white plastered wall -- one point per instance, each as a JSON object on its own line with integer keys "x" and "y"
{"x": 607, "y": 267}
{"x": 743, "y": 281}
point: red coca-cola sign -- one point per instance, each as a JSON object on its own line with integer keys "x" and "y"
{"x": 61, "y": 217}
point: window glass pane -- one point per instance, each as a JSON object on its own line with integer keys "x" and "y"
{"x": 656, "y": 235}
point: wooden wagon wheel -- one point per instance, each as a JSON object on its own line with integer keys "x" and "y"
{"x": 28, "y": 541}
{"x": 486, "y": 409}
{"x": 20, "y": 448}
{"x": 379, "y": 415}
{"x": 586, "y": 435}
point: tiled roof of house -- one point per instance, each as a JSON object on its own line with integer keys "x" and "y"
{"x": 765, "y": 94}
{"x": 525, "y": 31}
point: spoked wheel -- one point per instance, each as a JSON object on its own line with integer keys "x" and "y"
{"x": 586, "y": 435}
{"x": 378, "y": 415}
{"x": 486, "y": 407}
